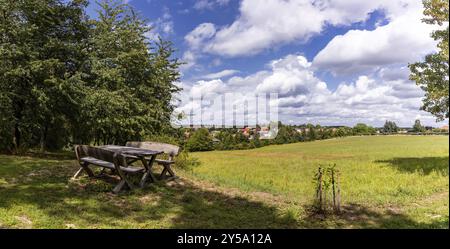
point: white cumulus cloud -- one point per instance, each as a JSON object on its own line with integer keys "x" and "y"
{"x": 221, "y": 74}
{"x": 263, "y": 24}
{"x": 303, "y": 97}
{"x": 405, "y": 39}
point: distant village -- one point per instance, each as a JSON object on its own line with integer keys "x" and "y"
{"x": 262, "y": 132}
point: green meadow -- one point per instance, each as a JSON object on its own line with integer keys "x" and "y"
{"x": 383, "y": 173}
{"x": 386, "y": 182}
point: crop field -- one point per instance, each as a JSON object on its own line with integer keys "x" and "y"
{"x": 386, "y": 182}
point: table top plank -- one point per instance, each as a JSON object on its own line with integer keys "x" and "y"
{"x": 131, "y": 150}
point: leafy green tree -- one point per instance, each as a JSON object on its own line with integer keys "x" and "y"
{"x": 255, "y": 142}
{"x": 327, "y": 133}
{"x": 67, "y": 79}
{"x": 390, "y": 127}
{"x": 131, "y": 83}
{"x": 240, "y": 138}
{"x": 287, "y": 134}
{"x": 6, "y": 122}
{"x": 310, "y": 132}
{"x": 432, "y": 74}
{"x": 341, "y": 132}
{"x": 41, "y": 46}
{"x": 200, "y": 141}
{"x": 318, "y": 132}
{"x": 361, "y": 129}
{"x": 417, "y": 127}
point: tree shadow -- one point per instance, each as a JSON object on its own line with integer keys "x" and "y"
{"x": 355, "y": 215}
{"x": 40, "y": 190}
{"x": 67, "y": 155}
{"x": 88, "y": 203}
{"x": 424, "y": 165}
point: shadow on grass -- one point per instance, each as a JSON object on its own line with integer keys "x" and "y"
{"x": 425, "y": 165}
{"x": 357, "y": 216}
{"x": 67, "y": 155}
{"x": 41, "y": 192}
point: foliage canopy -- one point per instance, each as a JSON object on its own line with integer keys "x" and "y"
{"x": 432, "y": 74}
{"x": 65, "y": 78}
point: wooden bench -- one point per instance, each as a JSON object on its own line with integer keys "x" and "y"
{"x": 169, "y": 149}
{"x": 106, "y": 159}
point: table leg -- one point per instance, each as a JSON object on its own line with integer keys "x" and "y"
{"x": 148, "y": 170}
{"x": 166, "y": 170}
{"x": 123, "y": 178}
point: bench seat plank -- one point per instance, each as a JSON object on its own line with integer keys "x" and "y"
{"x": 101, "y": 163}
{"x": 164, "y": 161}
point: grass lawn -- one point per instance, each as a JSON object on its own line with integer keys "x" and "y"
{"x": 381, "y": 173}
{"x": 386, "y": 181}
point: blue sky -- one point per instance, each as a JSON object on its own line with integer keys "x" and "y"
{"x": 332, "y": 62}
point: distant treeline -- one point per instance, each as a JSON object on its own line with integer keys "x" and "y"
{"x": 67, "y": 79}
{"x": 205, "y": 139}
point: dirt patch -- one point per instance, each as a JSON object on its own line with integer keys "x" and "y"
{"x": 434, "y": 197}
{"x": 71, "y": 226}
{"x": 26, "y": 222}
{"x": 150, "y": 199}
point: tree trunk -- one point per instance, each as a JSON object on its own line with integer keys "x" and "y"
{"x": 43, "y": 139}
{"x": 16, "y": 140}
{"x": 320, "y": 190}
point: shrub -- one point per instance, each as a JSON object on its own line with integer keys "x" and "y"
{"x": 185, "y": 161}
{"x": 200, "y": 141}
{"x": 328, "y": 193}
{"x": 163, "y": 138}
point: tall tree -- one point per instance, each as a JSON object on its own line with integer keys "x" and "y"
{"x": 390, "y": 127}
{"x": 417, "y": 127}
{"x": 67, "y": 79}
{"x": 432, "y": 74}
{"x": 131, "y": 78}
{"x": 41, "y": 56}
{"x": 362, "y": 129}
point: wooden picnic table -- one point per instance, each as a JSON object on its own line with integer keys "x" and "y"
{"x": 147, "y": 157}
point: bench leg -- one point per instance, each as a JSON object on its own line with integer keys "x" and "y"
{"x": 84, "y": 167}
{"x": 119, "y": 186}
{"x": 122, "y": 183}
{"x": 163, "y": 174}
{"x": 78, "y": 173}
{"x": 167, "y": 169}
{"x": 102, "y": 171}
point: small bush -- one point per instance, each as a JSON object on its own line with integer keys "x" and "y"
{"x": 185, "y": 161}
{"x": 200, "y": 141}
{"x": 163, "y": 139}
